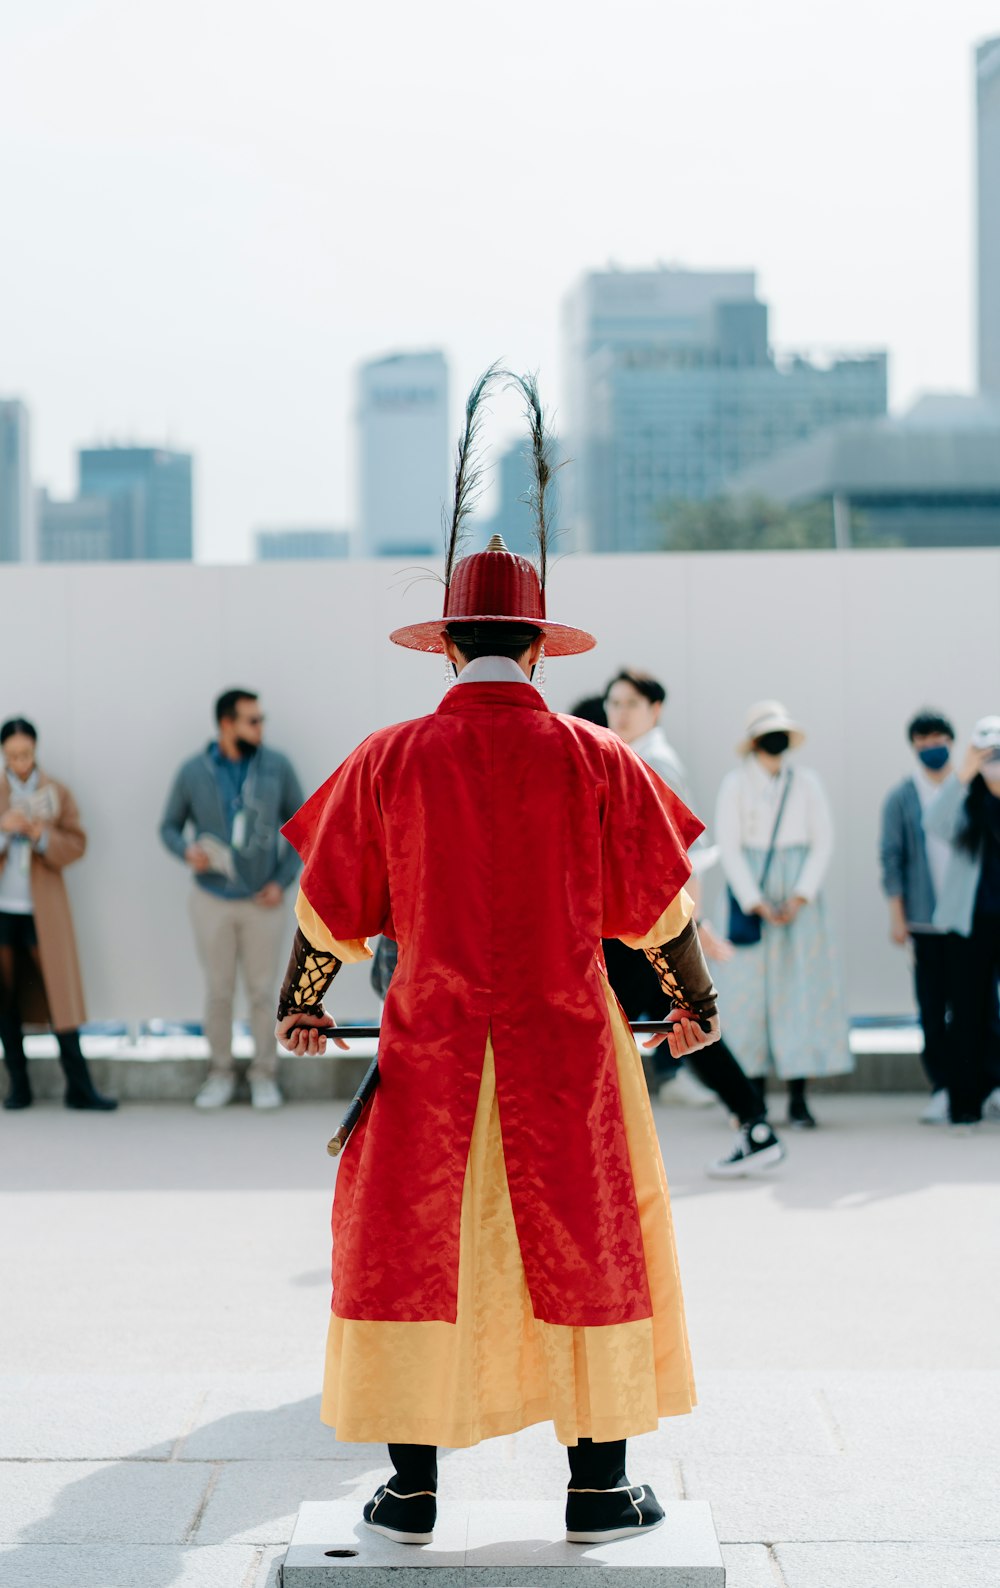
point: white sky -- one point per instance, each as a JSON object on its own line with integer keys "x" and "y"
{"x": 212, "y": 210}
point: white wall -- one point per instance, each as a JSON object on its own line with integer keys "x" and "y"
{"x": 118, "y": 666}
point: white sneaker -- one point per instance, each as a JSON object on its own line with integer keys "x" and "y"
{"x": 217, "y": 1091}
{"x": 687, "y": 1090}
{"x": 936, "y": 1112}
{"x": 265, "y": 1094}
{"x": 991, "y": 1107}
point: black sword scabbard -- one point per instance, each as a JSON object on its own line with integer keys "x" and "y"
{"x": 355, "y": 1109}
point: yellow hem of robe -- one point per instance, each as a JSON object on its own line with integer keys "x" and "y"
{"x": 498, "y": 1369}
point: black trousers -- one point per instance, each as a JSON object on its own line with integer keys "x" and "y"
{"x": 974, "y": 966}
{"x": 933, "y": 955}
{"x": 635, "y": 985}
{"x": 591, "y": 1466}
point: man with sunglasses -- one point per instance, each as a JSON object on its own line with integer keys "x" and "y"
{"x": 223, "y": 819}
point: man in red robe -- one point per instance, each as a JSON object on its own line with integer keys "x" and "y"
{"x": 503, "y": 1250}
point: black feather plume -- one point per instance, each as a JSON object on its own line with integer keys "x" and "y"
{"x": 543, "y": 467}
{"x": 468, "y": 470}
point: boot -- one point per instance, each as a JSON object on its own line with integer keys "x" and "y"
{"x": 80, "y": 1089}
{"x": 405, "y": 1508}
{"x": 601, "y": 1504}
{"x": 799, "y": 1116}
{"x": 19, "y": 1095}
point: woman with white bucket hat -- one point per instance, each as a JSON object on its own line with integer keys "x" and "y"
{"x": 781, "y": 991}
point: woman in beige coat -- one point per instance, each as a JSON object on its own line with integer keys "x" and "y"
{"x": 40, "y": 834}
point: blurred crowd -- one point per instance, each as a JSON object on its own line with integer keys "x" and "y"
{"x": 758, "y": 888}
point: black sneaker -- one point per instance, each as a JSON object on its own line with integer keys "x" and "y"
{"x": 799, "y": 1117}
{"x": 407, "y": 1518}
{"x": 594, "y": 1516}
{"x": 755, "y": 1150}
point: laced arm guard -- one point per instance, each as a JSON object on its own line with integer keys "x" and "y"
{"x": 683, "y": 973}
{"x": 310, "y": 972}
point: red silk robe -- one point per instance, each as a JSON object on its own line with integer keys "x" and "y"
{"x": 497, "y": 842}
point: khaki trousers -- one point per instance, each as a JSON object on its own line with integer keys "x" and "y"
{"x": 232, "y": 935}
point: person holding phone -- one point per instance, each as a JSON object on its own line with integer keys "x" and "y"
{"x": 966, "y": 814}
{"x": 40, "y": 981}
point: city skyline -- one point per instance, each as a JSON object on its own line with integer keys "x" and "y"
{"x": 258, "y": 263}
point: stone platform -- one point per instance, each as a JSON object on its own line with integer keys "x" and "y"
{"x": 491, "y": 1544}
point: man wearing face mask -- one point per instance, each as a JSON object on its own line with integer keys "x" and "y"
{"x": 223, "y": 819}
{"x": 914, "y": 867}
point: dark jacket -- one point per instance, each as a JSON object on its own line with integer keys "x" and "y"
{"x": 272, "y": 794}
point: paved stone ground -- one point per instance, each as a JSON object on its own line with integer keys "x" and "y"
{"x": 164, "y": 1296}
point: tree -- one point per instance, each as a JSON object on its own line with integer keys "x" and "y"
{"x": 752, "y": 523}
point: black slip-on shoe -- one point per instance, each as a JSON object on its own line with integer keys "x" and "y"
{"x": 406, "y": 1518}
{"x": 799, "y": 1117}
{"x": 595, "y": 1516}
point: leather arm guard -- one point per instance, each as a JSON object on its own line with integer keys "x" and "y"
{"x": 683, "y": 973}
{"x": 310, "y": 972}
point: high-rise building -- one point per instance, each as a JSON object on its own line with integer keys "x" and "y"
{"x": 80, "y": 530}
{"x": 513, "y": 518}
{"x": 988, "y": 212}
{"x": 17, "y": 540}
{"x": 929, "y": 477}
{"x": 288, "y": 545}
{"x": 149, "y": 489}
{"x": 672, "y": 389}
{"x": 402, "y": 454}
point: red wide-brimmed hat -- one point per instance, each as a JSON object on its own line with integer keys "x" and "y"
{"x": 497, "y": 585}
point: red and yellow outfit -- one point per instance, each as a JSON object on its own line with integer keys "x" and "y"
{"x": 503, "y": 1248}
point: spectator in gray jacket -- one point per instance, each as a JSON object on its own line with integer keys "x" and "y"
{"x": 914, "y": 867}
{"x": 223, "y": 819}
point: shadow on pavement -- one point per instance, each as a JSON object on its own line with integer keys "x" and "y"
{"x": 112, "y": 1513}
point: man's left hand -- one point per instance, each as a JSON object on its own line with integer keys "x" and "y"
{"x": 687, "y": 1035}
{"x": 270, "y": 896}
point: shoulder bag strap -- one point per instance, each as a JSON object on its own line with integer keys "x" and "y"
{"x": 774, "y": 834}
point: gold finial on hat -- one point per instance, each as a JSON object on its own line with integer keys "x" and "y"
{"x": 496, "y": 543}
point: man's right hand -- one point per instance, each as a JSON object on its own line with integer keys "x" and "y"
{"x": 196, "y": 858}
{"x": 899, "y": 932}
{"x": 686, "y": 1036}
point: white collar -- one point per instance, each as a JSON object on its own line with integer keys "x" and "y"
{"x": 491, "y": 670}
